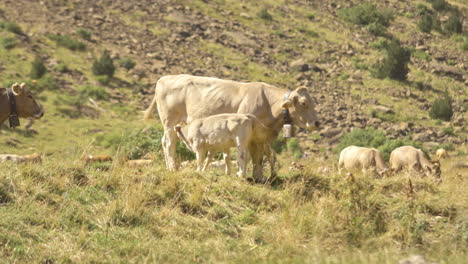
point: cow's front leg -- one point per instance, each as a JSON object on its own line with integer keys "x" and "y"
{"x": 256, "y": 151}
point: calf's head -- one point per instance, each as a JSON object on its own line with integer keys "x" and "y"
{"x": 302, "y": 109}
{"x": 26, "y": 104}
{"x": 434, "y": 169}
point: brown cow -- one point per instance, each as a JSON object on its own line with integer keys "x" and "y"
{"x": 33, "y": 158}
{"x": 99, "y": 158}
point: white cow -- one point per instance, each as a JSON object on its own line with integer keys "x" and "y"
{"x": 184, "y": 98}
{"x": 354, "y": 158}
{"x": 219, "y": 133}
{"x": 413, "y": 159}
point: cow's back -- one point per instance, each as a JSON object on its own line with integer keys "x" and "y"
{"x": 405, "y": 156}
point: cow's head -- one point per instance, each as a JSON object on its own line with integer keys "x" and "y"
{"x": 302, "y": 109}
{"x": 434, "y": 169}
{"x": 26, "y": 105}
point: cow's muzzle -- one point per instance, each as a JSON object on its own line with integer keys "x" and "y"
{"x": 39, "y": 115}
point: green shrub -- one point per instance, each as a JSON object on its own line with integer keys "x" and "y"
{"x": 377, "y": 29}
{"x": 395, "y": 63}
{"x": 68, "y": 42}
{"x": 94, "y": 92}
{"x": 465, "y": 45}
{"x": 379, "y": 44}
{"x": 37, "y": 68}
{"x": 264, "y": 14}
{"x": 422, "y": 10}
{"x": 365, "y": 14}
{"x": 138, "y": 143}
{"x": 84, "y": 33}
{"x": 442, "y": 108}
{"x": 12, "y": 27}
{"x": 294, "y": 147}
{"x": 448, "y": 130}
{"x": 103, "y": 79}
{"x": 8, "y": 43}
{"x": 453, "y": 24}
{"x": 279, "y": 145}
{"x": 47, "y": 82}
{"x": 422, "y": 55}
{"x": 62, "y": 67}
{"x": 425, "y": 24}
{"x": 127, "y": 63}
{"x": 104, "y": 65}
{"x": 440, "y": 5}
{"x": 310, "y": 16}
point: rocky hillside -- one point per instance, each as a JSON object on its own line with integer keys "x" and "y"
{"x": 285, "y": 43}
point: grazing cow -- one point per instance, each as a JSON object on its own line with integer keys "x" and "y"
{"x": 100, "y": 158}
{"x": 219, "y": 133}
{"x": 413, "y": 159}
{"x": 24, "y": 103}
{"x": 33, "y": 158}
{"x": 441, "y": 154}
{"x": 355, "y": 158}
{"x": 184, "y": 98}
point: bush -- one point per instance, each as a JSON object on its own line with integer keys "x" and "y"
{"x": 138, "y": 143}
{"x": 37, "y": 68}
{"x": 94, "y": 92}
{"x": 103, "y": 79}
{"x": 294, "y": 147}
{"x": 62, "y": 67}
{"x": 127, "y": 63}
{"x": 12, "y": 27}
{"x": 395, "y": 63}
{"x": 47, "y": 82}
{"x": 84, "y": 33}
{"x": 453, "y": 24}
{"x": 104, "y": 65}
{"x": 67, "y": 42}
{"x": 425, "y": 24}
{"x": 8, "y": 43}
{"x": 264, "y": 14}
{"x": 448, "y": 130}
{"x": 465, "y": 45}
{"x": 440, "y": 5}
{"x": 377, "y": 29}
{"x": 442, "y": 108}
{"x": 365, "y": 14}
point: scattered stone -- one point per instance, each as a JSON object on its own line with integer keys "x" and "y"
{"x": 415, "y": 259}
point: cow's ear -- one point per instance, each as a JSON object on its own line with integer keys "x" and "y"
{"x": 17, "y": 89}
{"x": 287, "y": 103}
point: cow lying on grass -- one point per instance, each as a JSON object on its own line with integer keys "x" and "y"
{"x": 415, "y": 160}
{"x": 219, "y": 133}
{"x": 355, "y": 158}
{"x": 33, "y": 158}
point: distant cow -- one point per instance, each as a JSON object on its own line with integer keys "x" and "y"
{"x": 413, "y": 159}
{"x": 33, "y": 158}
{"x": 441, "y": 154}
{"x": 26, "y": 105}
{"x": 184, "y": 98}
{"x": 219, "y": 133}
{"x": 362, "y": 159}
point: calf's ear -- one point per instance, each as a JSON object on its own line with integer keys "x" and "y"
{"x": 17, "y": 89}
{"x": 301, "y": 89}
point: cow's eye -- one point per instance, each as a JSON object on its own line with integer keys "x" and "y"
{"x": 30, "y": 97}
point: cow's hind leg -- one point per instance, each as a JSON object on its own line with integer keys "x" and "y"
{"x": 169, "y": 145}
{"x": 208, "y": 160}
{"x": 227, "y": 162}
{"x": 256, "y": 152}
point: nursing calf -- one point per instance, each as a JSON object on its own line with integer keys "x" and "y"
{"x": 219, "y": 133}
{"x": 355, "y": 158}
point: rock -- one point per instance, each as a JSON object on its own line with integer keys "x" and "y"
{"x": 300, "y": 65}
{"x": 383, "y": 109}
{"x": 331, "y": 132}
{"x": 450, "y": 71}
{"x": 244, "y": 15}
{"x": 415, "y": 259}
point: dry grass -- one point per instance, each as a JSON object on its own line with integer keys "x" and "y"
{"x": 63, "y": 212}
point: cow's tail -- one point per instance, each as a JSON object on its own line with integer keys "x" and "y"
{"x": 178, "y": 130}
{"x": 149, "y": 112}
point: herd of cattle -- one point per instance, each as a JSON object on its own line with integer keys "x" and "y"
{"x": 211, "y": 115}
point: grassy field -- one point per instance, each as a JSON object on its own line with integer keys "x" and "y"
{"x": 64, "y": 211}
